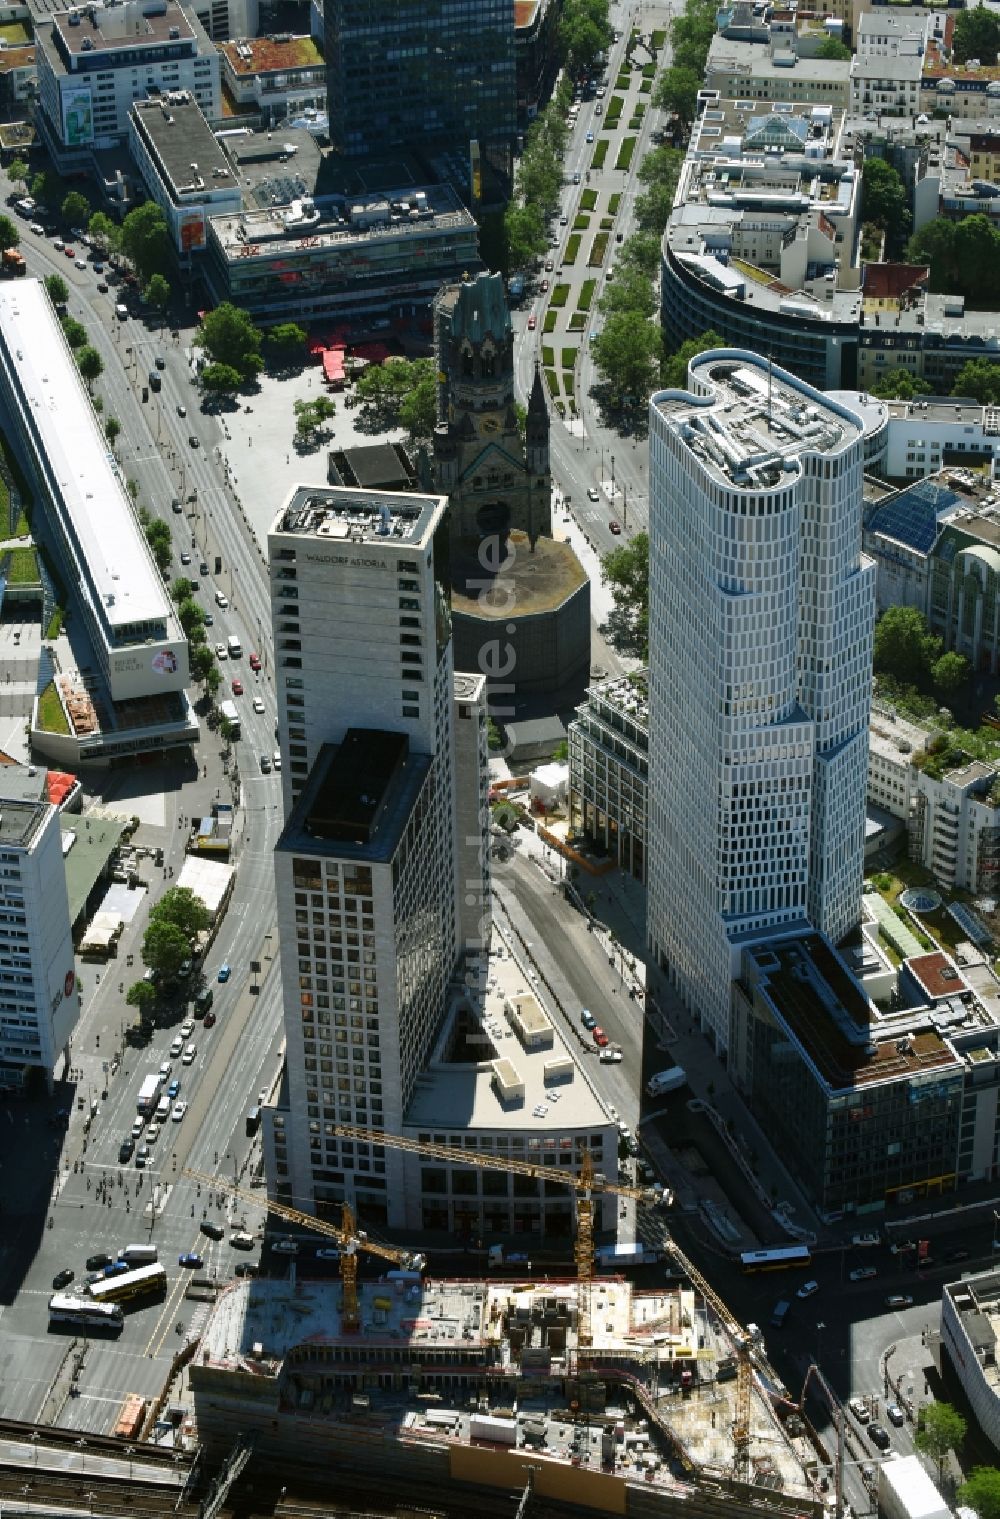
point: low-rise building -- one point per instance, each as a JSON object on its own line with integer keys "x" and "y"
{"x": 609, "y": 770}
{"x": 886, "y": 83}
{"x": 274, "y": 78}
{"x": 134, "y": 695}
{"x": 984, "y": 156}
{"x": 774, "y": 72}
{"x": 893, "y": 744}
{"x": 18, "y": 78}
{"x": 970, "y": 1328}
{"x": 954, "y": 824}
{"x": 39, "y": 1005}
{"x": 183, "y": 167}
{"x": 94, "y": 63}
{"x": 358, "y": 257}
{"x": 866, "y": 1104}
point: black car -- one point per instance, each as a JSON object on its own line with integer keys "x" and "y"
{"x": 125, "y": 1152}
{"x": 878, "y": 1436}
{"x": 213, "y": 1230}
{"x": 98, "y": 1262}
{"x": 203, "y": 568}
{"x": 62, "y": 1278}
{"x": 161, "y": 363}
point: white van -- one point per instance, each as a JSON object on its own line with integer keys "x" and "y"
{"x": 234, "y": 646}
{"x": 162, "y": 1110}
{"x": 138, "y": 1255}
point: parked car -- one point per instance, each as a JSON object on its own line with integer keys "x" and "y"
{"x": 899, "y": 1300}
{"x": 587, "y": 1019}
{"x": 285, "y": 1246}
{"x": 859, "y": 1408}
{"x": 611, "y": 1056}
{"x": 254, "y": 661}
{"x": 599, "y": 1037}
{"x": 807, "y": 1289}
{"x": 191, "y": 1051}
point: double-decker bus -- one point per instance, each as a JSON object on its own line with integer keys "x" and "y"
{"x": 83, "y": 1313}
{"x": 782, "y": 1259}
{"x": 144, "y": 1281}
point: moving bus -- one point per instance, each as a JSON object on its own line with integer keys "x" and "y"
{"x": 82, "y": 1313}
{"x": 144, "y": 1281}
{"x": 782, "y": 1259}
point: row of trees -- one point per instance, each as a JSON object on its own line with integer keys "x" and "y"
{"x": 691, "y": 34}
{"x": 962, "y": 255}
{"x": 233, "y": 343}
{"x": 584, "y": 33}
{"x": 538, "y": 180}
{"x": 978, "y": 378}
{"x": 89, "y": 361}
{"x": 175, "y": 922}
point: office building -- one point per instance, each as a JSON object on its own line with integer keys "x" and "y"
{"x": 274, "y": 79}
{"x": 609, "y": 770}
{"x": 761, "y": 613}
{"x": 366, "y": 865}
{"x": 134, "y": 696}
{"x": 94, "y": 62}
{"x": 970, "y": 1326}
{"x": 38, "y": 1001}
{"x": 412, "y": 77}
{"x": 183, "y": 168}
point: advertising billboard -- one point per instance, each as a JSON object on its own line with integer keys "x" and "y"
{"x": 191, "y": 233}
{"x": 148, "y": 669}
{"x": 78, "y": 117}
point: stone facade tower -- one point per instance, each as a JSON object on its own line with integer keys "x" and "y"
{"x": 496, "y": 483}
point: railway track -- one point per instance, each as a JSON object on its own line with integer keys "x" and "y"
{"x": 108, "y": 1496}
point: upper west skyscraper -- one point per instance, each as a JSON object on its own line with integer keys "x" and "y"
{"x": 761, "y": 615}
{"x": 402, "y": 74}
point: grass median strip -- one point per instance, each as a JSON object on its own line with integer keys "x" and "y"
{"x": 598, "y": 250}
{"x": 577, "y": 321}
{"x": 552, "y": 381}
{"x": 588, "y": 200}
{"x": 548, "y": 356}
{"x": 559, "y": 296}
{"x": 614, "y": 202}
{"x": 549, "y": 325}
{"x": 600, "y": 154}
{"x": 572, "y": 248}
{"x": 625, "y": 153}
{"x": 586, "y": 295}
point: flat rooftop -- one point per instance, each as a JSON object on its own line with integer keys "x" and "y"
{"x": 20, "y": 821}
{"x": 178, "y": 135}
{"x": 351, "y": 516}
{"x": 834, "y": 1024}
{"x": 937, "y": 975}
{"x": 935, "y": 409}
{"x": 357, "y": 219}
{"x": 270, "y": 55}
{"x": 342, "y": 812}
{"x": 976, "y": 1300}
{"x": 894, "y": 737}
{"x": 756, "y": 422}
{"x": 82, "y": 465}
{"x": 100, "y": 28}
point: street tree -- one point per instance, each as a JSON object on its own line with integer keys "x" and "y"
{"x": 198, "y": 635}
{"x": 75, "y": 209}
{"x": 90, "y": 363}
{"x": 581, "y": 38}
{"x": 981, "y": 1491}
{"x": 524, "y": 233}
{"x": 630, "y": 291}
{"x": 76, "y": 332}
{"x": 950, "y": 672}
{"x": 220, "y": 379}
{"x": 57, "y": 288}
{"x": 189, "y": 613}
{"x": 103, "y": 232}
{"x": 691, "y": 34}
{"x": 934, "y": 245}
{"x": 112, "y": 427}
{"x": 46, "y": 188}
{"x": 157, "y": 293}
{"x": 141, "y": 994}
{"x": 418, "y": 409}
{"x": 899, "y": 384}
{"x": 310, "y": 417}
{"x": 213, "y": 680}
{"x": 181, "y": 907}
{"x": 977, "y": 251}
{"x": 229, "y": 337}
{"x": 676, "y": 91}
{"x": 625, "y": 571}
{"x": 940, "y": 1429}
{"x": 18, "y": 171}
{"x": 202, "y": 660}
{"x": 904, "y": 645}
{"x": 627, "y": 354}
{"x": 9, "y": 235}
{"x": 883, "y": 196}
{"x": 675, "y": 368}
{"x": 642, "y": 252}
{"x": 977, "y": 35}
{"x": 287, "y": 342}
{"x": 145, "y": 240}
{"x": 180, "y": 591}
{"x": 164, "y": 947}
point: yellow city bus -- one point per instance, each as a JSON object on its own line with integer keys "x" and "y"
{"x": 144, "y": 1281}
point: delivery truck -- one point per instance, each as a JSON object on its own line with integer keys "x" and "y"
{"x": 148, "y": 1093}
{"x": 666, "y": 1081}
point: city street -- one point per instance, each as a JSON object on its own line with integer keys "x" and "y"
{"x": 586, "y": 454}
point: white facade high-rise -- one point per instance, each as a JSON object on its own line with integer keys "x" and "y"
{"x": 761, "y": 616}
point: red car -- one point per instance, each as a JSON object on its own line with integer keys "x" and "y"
{"x": 69, "y": 252}
{"x": 209, "y": 1019}
{"x": 615, "y": 527}
{"x": 600, "y": 1037}
{"x": 255, "y": 661}
{"x": 237, "y": 686}
{"x": 532, "y": 322}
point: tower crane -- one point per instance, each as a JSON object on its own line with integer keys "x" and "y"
{"x": 585, "y": 1184}
{"x": 348, "y": 1237}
